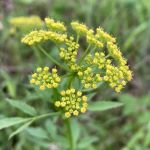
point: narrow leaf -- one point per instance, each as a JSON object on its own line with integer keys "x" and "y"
{"x": 7, "y": 122}
{"x": 37, "y": 133}
{"x": 103, "y": 105}
{"x": 22, "y": 106}
{"x": 20, "y": 129}
{"x": 87, "y": 141}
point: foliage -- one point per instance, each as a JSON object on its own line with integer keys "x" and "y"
{"x": 125, "y": 127}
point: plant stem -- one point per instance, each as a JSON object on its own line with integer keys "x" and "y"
{"x": 84, "y": 54}
{"x": 77, "y": 40}
{"x": 44, "y": 115}
{"x": 70, "y": 139}
{"x": 68, "y": 123}
{"x": 37, "y": 54}
{"x": 51, "y": 58}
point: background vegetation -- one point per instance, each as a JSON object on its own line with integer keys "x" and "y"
{"x": 124, "y": 128}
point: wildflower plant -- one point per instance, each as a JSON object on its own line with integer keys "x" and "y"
{"x": 101, "y": 62}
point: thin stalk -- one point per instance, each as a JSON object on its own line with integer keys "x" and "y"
{"x": 51, "y": 58}
{"x": 77, "y": 38}
{"x": 70, "y": 139}
{"x": 84, "y": 54}
{"x": 68, "y": 123}
{"x": 107, "y": 56}
{"x": 44, "y": 115}
{"x": 37, "y": 54}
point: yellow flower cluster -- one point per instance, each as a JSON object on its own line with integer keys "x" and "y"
{"x": 104, "y": 36}
{"x": 44, "y": 79}
{"x": 69, "y": 53}
{"x": 117, "y": 76}
{"x": 79, "y": 28}
{"x": 32, "y": 21}
{"x": 115, "y": 53}
{"x": 72, "y": 102}
{"x": 55, "y": 26}
{"x": 92, "y": 40}
{"x": 88, "y": 78}
{"x": 42, "y": 35}
{"x": 102, "y": 60}
{"x": 98, "y": 59}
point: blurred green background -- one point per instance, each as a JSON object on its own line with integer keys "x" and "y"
{"x": 125, "y": 128}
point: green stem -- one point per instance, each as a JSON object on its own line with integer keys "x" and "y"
{"x": 70, "y": 80}
{"x": 77, "y": 38}
{"x": 107, "y": 56}
{"x": 68, "y": 123}
{"x": 70, "y": 139}
{"x": 44, "y": 115}
{"x": 51, "y": 58}
{"x": 84, "y": 54}
{"x": 37, "y": 54}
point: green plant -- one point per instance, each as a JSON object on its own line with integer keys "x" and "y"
{"x": 74, "y": 75}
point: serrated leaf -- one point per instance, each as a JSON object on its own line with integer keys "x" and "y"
{"x": 22, "y": 106}
{"x": 20, "y": 129}
{"x": 7, "y": 122}
{"x": 103, "y": 105}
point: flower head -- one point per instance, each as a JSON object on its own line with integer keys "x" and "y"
{"x": 117, "y": 76}
{"x": 38, "y": 36}
{"x": 72, "y": 102}
{"x": 104, "y": 36}
{"x": 115, "y": 53}
{"x": 44, "y": 79}
{"x": 69, "y": 54}
{"x": 88, "y": 78}
{"x": 98, "y": 59}
{"x": 55, "y": 26}
{"x": 92, "y": 40}
{"x": 26, "y": 22}
{"x": 79, "y": 28}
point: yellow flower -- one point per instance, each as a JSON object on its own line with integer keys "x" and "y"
{"x": 55, "y": 26}
{"x": 88, "y": 78}
{"x": 23, "y": 22}
{"x": 72, "y": 102}
{"x": 98, "y": 59}
{"x": 115, "y": 53}
{"x": 104, "y": 36}
{"x": 79, "y": 28}
{"x": 69, "y": 54}
{"x": 44, "y": 79}
{"x": 38, "y": 36}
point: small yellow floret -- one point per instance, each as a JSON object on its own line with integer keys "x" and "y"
{"x": 67, "y": 114}
{"x": 42, "y": 87}
{"x": 83, "y": 109}
{"x": 76, "y": 113}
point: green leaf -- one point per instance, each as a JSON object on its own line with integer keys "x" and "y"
{"x": 51, "y": 128}
{"x": 10, "y": 84}
{"x": 103, "y": 105}
{"x": 20, "y": 129}
{"x": 22, "y": 106}
{"x": 7, "y": 122}
{"x": 87, "y": 141}
{"x": 37, "y": 133}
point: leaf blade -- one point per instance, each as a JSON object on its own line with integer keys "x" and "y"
{"x": 24, "y": 126}
{"x": 103, "y": 105}
{"x": 7, "y": 122}
{"x": 22, "y": 107}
